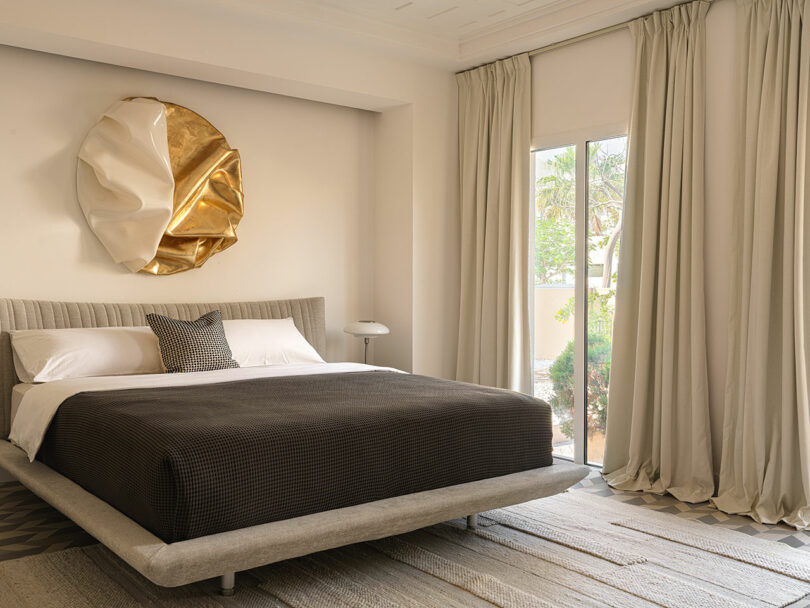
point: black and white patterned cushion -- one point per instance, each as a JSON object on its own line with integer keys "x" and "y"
{"x": 192, "y": 346}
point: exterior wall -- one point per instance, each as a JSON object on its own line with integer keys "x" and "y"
{"x": 550, "y": 335}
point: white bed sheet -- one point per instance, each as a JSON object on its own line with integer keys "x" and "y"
{"x": 39, "y": 403}
{"x": 17, "y": 394}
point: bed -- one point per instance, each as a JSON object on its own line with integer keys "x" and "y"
{"x": 369, "y": 469}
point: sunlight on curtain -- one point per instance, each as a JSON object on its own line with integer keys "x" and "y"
{"x": 658, "y": 436}
{"x": 765, "y": 469}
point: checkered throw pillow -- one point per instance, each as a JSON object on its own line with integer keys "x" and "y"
{"x": 192, "y": 346}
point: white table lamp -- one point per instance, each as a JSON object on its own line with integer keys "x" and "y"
{"x": 366, "y": 330}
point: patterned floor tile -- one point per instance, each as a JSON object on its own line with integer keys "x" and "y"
{"x": 28, "y": 525}
{"x": 703, "y": 512}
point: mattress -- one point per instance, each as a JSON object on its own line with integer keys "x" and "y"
{"x": 188, "y": 461}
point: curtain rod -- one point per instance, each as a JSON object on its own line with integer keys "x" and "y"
{"x": 581, "y": 37}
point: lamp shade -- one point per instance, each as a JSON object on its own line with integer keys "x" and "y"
{"x": 366, "y": 329}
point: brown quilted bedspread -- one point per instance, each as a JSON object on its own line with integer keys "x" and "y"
{"x": 189, "y": 461}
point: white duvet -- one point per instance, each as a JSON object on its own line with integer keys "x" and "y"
{"x": 40, "y": 403}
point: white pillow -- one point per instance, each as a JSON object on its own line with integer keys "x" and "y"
{"x": 42, "y": 355}
{"x": 258, "y": 342}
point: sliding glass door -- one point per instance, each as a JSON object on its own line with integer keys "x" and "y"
{"x": 554, "y": 280}
{"x": 578, "y": 201}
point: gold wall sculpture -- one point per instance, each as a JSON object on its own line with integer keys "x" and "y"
{"x": 208, "y": 201}
{"x": 125, "y": 183}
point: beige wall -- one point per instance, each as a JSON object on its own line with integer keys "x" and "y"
{"x": 253, "y": 50}
{"x": 308, "y": 171}
{"x": 393, "y": 235}
{"x": 586, "y": 88}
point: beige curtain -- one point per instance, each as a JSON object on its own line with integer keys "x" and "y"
{"x": 494, "y": 146}
{"x": 658, "y": 436}
{"x": 765, "y": 470}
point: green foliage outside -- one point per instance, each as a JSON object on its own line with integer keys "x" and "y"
{"x": 554, "y": 265}
{"x": 554, "y": 260}
{"x": 562, "y": 376}
{"x": 601, "y": 308}
{"x": 555, "y": 221}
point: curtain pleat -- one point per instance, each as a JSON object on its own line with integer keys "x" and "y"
{"x": 658, "y": 436}
{"x": 494, "y": 145}
{"x": 765, "y": 467}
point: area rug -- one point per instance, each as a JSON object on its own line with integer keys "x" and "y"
{"x": 571, "y": 550}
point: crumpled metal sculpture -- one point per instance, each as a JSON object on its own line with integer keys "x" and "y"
{"x": 159, "y": 186}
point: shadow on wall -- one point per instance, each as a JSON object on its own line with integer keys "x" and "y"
{"x": 54, "y": 181}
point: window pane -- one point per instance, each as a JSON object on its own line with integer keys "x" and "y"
{"x": 554, "y": 266}
{"x": 606, "y": 165}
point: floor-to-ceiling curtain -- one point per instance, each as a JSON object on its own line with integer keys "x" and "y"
{"x": 658, "y": 436}
{"x": 765, "y": 467}
{"x": 494, "y": 145}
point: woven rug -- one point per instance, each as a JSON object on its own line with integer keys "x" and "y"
{"x": 571, "y": 550}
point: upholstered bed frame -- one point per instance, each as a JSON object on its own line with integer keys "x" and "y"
{"x": 223, "y": 554}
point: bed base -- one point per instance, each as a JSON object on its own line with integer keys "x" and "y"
{"x": 222, "y": 555}
{"x": 227, "y": 582}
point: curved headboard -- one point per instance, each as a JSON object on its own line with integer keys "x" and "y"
{"x": 307, "y": 313}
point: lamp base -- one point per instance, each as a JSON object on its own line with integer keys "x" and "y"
{"x": 365, "y": 350}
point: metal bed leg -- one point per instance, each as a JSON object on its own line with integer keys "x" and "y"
{"x": 226, "y": 583}
{"x": 472, "y": 521}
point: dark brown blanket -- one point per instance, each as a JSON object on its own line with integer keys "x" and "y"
{"x": 188, "y": 461}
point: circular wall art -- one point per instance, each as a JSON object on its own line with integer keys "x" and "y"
{"x": 160, "y": 186}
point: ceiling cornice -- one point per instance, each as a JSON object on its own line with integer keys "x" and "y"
{"x": 559, "y": 22}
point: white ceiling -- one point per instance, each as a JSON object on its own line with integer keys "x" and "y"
{"x": 458, "y": 33}
{"x": 454, "y": 19}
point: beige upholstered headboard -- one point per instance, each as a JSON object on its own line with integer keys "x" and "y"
{"x": 308, "y": 314}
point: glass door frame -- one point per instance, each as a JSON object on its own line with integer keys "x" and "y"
{"x": 580, "y": 139}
